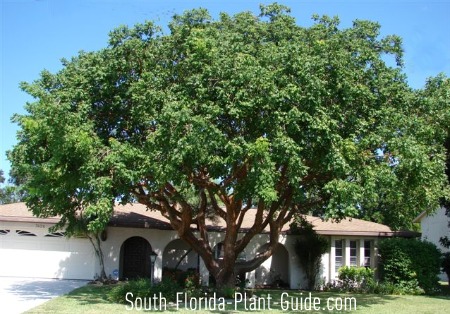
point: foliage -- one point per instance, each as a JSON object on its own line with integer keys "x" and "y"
{"x": 139, "y": 288}
{"x": 357, "y": 279}
{"x": 79, "y": 226}
{"x": 410, "y": 263}
{"x": 445, "y": 264}
{"x": 192, "y": 285}
{"x": 168, "y": 287}
{"x": 430, "y": 112}
{"x": 361, "y": 280}
{"x": 309, "y": 248}
{"x": 439, "y": 90}
{"x": 227, "y": 292}
{"x": 189, "y": 277}
{"x": 445, "y": 242}
{"x": 402, "y": 288}
{"x": 10, "y": 193}
{"x": 254, "y": 111}
{"x": 434, "y": 103}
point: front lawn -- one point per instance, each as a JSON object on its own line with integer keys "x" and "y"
{"x": 92, "y": 299}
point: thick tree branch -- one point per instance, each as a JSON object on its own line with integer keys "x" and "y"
{"x": 262, "y": 256}
{"x": 201, "y": 216}
{"x": 217, "y": 209}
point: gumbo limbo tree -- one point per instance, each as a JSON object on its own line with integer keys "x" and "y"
{"x": 218, "y": 116}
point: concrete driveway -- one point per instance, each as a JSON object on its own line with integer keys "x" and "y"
{"x": 18, "y": 295}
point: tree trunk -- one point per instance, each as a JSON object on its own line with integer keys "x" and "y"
{"x": 95, "y": 241}
{"x": 181, "y": 215}
{"x": 226, "y": 283}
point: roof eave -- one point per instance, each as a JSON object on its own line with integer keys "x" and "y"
{"x": 29, "y": 219}
{"x": 379, "y": 234}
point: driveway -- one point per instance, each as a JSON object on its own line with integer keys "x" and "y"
{"x": 18, "y": 295}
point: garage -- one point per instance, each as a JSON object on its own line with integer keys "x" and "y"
{"x": 28, "y": 249}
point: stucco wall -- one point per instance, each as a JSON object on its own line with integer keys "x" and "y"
{"x": 434, "y": 226}
{"x": 160, "y": 239}
{"x": 40, "y": 256}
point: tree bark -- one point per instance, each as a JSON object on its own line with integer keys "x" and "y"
{"x": 95, "y": 241}
{"x": 182, "y": 216}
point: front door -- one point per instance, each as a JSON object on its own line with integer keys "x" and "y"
{"x": 136, "y": 258}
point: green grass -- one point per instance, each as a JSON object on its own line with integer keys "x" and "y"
{"x": 92, "y": 299}
{"x": 87, "y": 300}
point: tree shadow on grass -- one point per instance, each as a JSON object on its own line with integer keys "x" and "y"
{"x": 98, "y": 294}
{"x": 90, "y": 294}
{"x": 443, "y": 293}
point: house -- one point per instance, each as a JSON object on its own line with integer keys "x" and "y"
{"x": 27, "y": 248}
{"x": 433, "y": 227}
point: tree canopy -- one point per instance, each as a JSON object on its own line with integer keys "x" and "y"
{"x": 222, "y": 115}
{"x": 428, "y": 122}
{"x": 10, "y": 193}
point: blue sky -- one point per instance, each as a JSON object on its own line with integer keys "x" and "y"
{"x": 36, "y": 34}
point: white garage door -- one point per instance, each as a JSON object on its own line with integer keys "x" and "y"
{"x": 27, "y": 251}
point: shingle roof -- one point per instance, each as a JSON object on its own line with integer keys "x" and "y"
{"x": 349, "y": 226}
{"x": 20, "y": 213}
{"x": 137, "y": 216}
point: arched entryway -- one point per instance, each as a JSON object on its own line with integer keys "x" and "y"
{"x": 135, "y": 258}
{"x": 275, "y": 270}
{"x": 179, "y": 255}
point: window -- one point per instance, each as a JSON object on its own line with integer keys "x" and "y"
{"x": 25, "y": 233}
{"x": 55, "y": 235}
{"x": 353, "y": 253}
{"x": 219, "y": 251}
{"x": 367, "y": 252}
{"x": 339, "y": 256}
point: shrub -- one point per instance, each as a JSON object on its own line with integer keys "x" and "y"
{"x": 410, "y": 264}
{"x": 168, "y": 288}
{"x": 192, "y": 286}
{"x": 181, "y": 276}
{"x": 139, "y": 287}
{"x": 372, "y": 286}
{"x": 309, "y": 248}
{"x": 386, "y": 287}
{"x": 446, "y": 265}
{"x": 227, "y": 292}
{"x": 356, "y": 279}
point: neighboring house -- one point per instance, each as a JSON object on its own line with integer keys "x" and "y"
{"x": 433, "y": 227}
{"x": 28, "y": 249}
